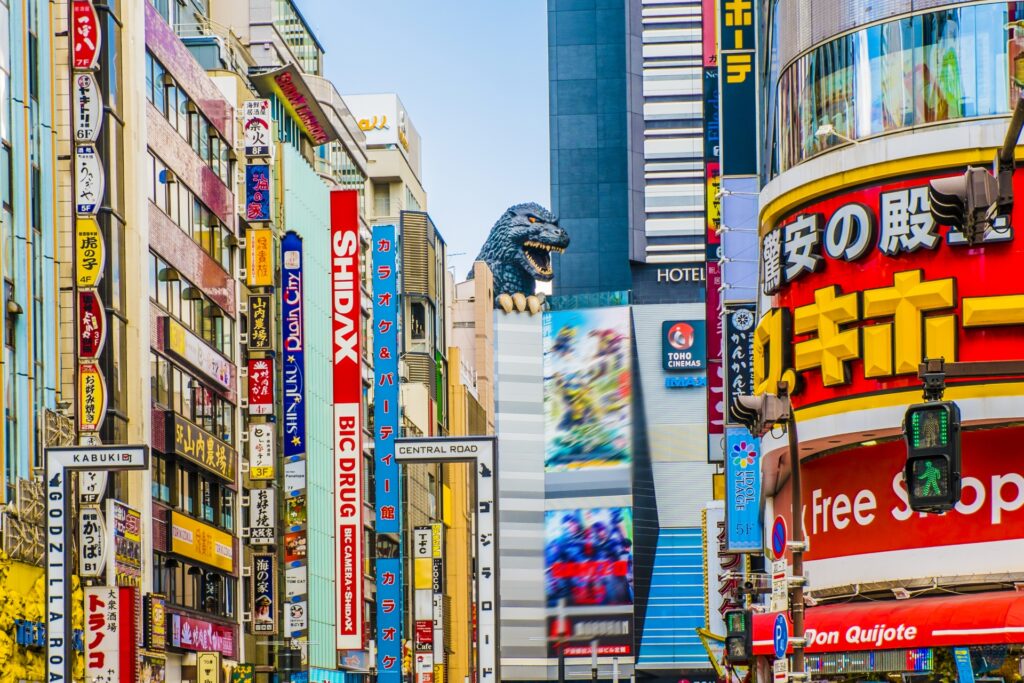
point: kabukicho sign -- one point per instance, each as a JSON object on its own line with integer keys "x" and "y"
{"x": 348, "y": 452}
{"x": 868, "y": 285}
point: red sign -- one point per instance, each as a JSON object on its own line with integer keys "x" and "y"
{"x": 127, "y": 628}
{"x": 85, "y": 36}
{"x": 348, "y": 392}
{"x": 424, "y": 632}
{"x": 715, "y": 371}
{"x": 261, "y": 386}
{"x": 979, "y": 619}
{"x": 92, "y": 327}
{"x": 855, "y": 501}
{"x": 869, "y": 283}
{"x": 198, "y": 635}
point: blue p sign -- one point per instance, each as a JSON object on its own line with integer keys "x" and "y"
{"x": 780, "y": 636}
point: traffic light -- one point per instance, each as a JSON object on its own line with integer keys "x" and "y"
{"x": 760, "y": 413}
{"x": 739, "y": 637}
{"x": 970, "y": 202}
{"x": 932, "y": 472}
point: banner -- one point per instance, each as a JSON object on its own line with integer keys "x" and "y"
{"x": 743, "y": 524}
{"x": 589, "y": 557}
{"x": 202, "y": 542}
{"x": 293, "y": 358}
{"x": 264, "y": 594}
{"x": 346, "y": 323}
{"x": 257, "y": 193}
{"x": 587, "y": 389}
{"x": 199, "y": 635}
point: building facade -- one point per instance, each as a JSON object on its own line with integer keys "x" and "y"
{"x": 861, "y": 111}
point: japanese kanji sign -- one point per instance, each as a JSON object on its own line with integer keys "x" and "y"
{"x": 261, "y": 323}
{"x": 102, "y": 664}
{"x": 261, "y": 386}
{"x": 154, "y": 622}
{"x": 259, "y": 254}
{"x": 89, "y": 180}
{"x": 261, "y": 451}
{"x": 264, "y": 594}
{"x": 85, "y": 35}
{"x": 262, "y": 517}
{"x": 865, "y": 285}
{"x": 199, "y": 446}
{"x": 257, "y": 193}
{"x": 88, "y": 108}
{"x": 740, "y": 320}
{"x": 92, "y": 542}
{"x": 92, "y": 398}
{"x": 256, "y": 126}
{"x": 90, "y": 253}
{"x": 293, "y": 357}
{"x": 92, "y": 324}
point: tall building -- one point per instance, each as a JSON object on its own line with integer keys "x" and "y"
{"x": 629, "y": 166}
{"x": 863, "y": 105}
{"x": 627, "y": 159}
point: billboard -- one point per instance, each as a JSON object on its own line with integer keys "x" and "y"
{"x": 683, "y": 345}
{"x": 348, "y": 452}
{"x": 744, "y": 532}
{"x": 588, "y": 557}
{"x": 293, "y": 360}
{"x": 587, "y": 389}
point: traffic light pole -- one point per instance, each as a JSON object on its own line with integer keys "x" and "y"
{"x": 796, "y": 606}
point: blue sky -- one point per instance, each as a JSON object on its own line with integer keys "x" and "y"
{"x": 473, "y": 76}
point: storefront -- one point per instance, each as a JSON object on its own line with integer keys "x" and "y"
{"x": 931, "y": 637}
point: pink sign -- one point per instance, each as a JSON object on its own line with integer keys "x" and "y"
{"x": 202, "y": 636}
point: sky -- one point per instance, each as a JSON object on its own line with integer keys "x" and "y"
{"x": 472, "y": 75}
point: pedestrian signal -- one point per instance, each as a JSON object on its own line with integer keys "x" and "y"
{"x": 739, "y": 638}
{"x": 932, "y": 471}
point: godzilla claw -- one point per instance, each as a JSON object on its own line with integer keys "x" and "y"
{"x": 533, "y": 303}
{"x": 505, "y": 301}
{"x": 519, "y": 299}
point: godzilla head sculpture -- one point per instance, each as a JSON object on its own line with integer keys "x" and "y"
{"x": 518, "y": 251}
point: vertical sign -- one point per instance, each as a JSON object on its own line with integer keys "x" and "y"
{"x": 85, "y": 35}
{"x": 437, "y": 598}
{"x": 125, "y": 544}
{"x": 89, "y": 180}
{"x": 154, "y": 622}
{"x": 738, "y": 80}
{"x": 739, "y": 354}
{"x": 90, "y": 254}
{"x": 88, "y": 108}
{"x": 92, "y": 325}
{"x": 256, "y": 127}
{"x": 92, "y": 398}
{"x": 422, "y": 570}
{"x": 259, "y": 252}
{"x": 348, "y": 397}
{"x": 743, "y": 527}
{"x": 293, "y": 346}
{"x": 257, "y": 193}
{"x": 389, "y": 620}
{"x": 262, "y": 517}
{"x": 261, "y": 320}
{"x": 261, "y": 451}
{"x": 102, "y": 662}
{"x": 261, "y": 386}
{"x": 92, "y": 542}
{"x": 716, "y": 370}
{"x": 264, "y": 594}
{"x": 385, "y": 365}
{"x": 385, "y": 418}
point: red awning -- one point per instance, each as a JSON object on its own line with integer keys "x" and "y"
{"x": 981, "y": 619}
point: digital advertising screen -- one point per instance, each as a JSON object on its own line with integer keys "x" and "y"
{"x": 587, "y": 389}
{"x": 588, "y": 557}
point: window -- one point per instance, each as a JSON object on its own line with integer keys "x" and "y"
{"x": 432, "y": 494}
{"x": 418, "y": 321}
{"x": 187, "y": 482}
{"x": 227, "y": 509}
{"x": 10, "y": 317}
{"x": 207, "y": 493}
{"x": 382, "y": 199}
{"x": 161, "y": 479}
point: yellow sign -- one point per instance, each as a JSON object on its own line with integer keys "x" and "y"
{"x": 378, "y": 123}
{"x": 89, "y": 252}
{"x": 422, "y": 569}
{"x": 92, "y": 398}
{"x": 439, "y": 673}
{"x": 435, "y": 540}
{"x": 201, "y": 542}
{"x": 207, "y": 667}
{"x": 259, "y": 247}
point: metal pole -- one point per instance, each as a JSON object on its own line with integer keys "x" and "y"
{"x": 797, "y": 603}
{"x": 593, "y": 661}
{"x": 561, "y": 662}
{"x": 615, "y": 670}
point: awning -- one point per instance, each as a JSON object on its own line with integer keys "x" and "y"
{"x": 980, "y": 619}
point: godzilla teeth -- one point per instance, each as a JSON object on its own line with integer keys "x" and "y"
{"x": 544, "y": 247}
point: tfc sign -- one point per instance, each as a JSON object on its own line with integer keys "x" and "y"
{"x": 857, "y": 308}
{"x": 348, "y": 452}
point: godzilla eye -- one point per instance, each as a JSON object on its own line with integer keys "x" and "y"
{"x": 531, "y": 219}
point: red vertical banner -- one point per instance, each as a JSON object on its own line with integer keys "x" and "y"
{"x": 709, "y": 26}
{"x": 128, "y": 612}
{"x": 261, "y": 386}
{"x": 346, "y": 343}
{"x": 715, "y": 370}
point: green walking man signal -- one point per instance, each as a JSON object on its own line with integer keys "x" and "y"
{"x": 932, "y": 473}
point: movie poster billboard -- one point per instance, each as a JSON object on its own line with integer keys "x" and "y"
{"x": 588, "y": 557}
{"x": 587, "y": 389}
